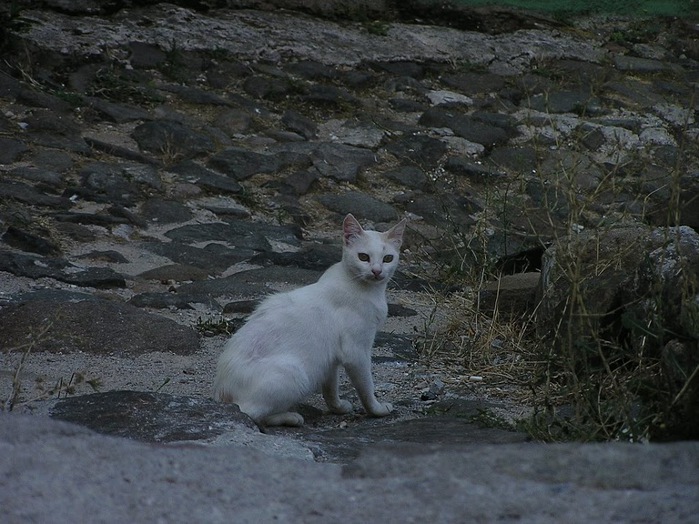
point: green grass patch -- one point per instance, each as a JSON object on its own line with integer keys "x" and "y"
{"x": 573, "y": 7}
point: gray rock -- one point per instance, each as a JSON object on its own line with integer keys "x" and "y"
{"x": 72, "y": 144}
{"x": 267, "y": 88}
{"x": 213, "y": 258}
{"x": 28, "y": 194}
{"x": 241, "y": 164}
{"x": 294, "y": 276}
{"x": 360, "y": 205}
{"x": 119, "y": 113}
{"x": 311, "y": 70}
{"x": 475, "y": 171}
{"x": 401, "y": 67}
{"x": 342, "y": 162}
{"x": 97, "y": 326}
{"x": 26, "y": 240}
{"x": 224, "y": 207}
{"x": 146, "y": 56}
{"x": 299, "y": 182}
{"x": 59, "y": 269}
{"x": 280, "y": 34}
{"x": 172, "y": 139}
{"x": 352, "y": 132}
{"x": 407, "y": 105}
{"x": 50, "y": 295}
{"x": 401, "y": 347}
{"x": 96, "y": 219}
{"x": 55, "y": 121}
{"x": 238, "y": 233}
{"x": 241, "y": 307}
{"x": 152, "y": 417}
{"x": 316, "y": 257}
{"x": 120, "y": 151}
{"x": 397, "y": 310}
{"x": 300, "y": 124}
{"x": 231, "y": 287}
{"x": 43, "y": 175}
{"x": 52, "y": 160}
{"x": 120, "y": 211}
{"x": 105, "y": 182}
{"x": 350, "y": 445}
{"x": 472, "y": 83}
{"x": 466, "y": 126}
{"x": 171, "y": 300}
{"x": 422, "y": 150}
{"x": 448, "y": 97}
{"x": 176, "y": 272}
{"x": 631, "y": 93}
{"x": 111, "y": 256}
{"x": 511, "y": 296}
{"x": 535, "y": 483}
{"x": 75, "y": 231}
{"x": 409, "y": 176}
{"x": 640, "y": 65}
{"x": 579, "y": 102}
{"x": 165, "y": 211}
{"x": 338, "y": 161}
{"x": 206, "y": 178}
{"x": 514, "y": 159}
{"x": 11, "y": 150}
{"x": 327, "y": 95}
{"x": 234, "y": 121}
{"x": 439, "y": 209}
{"x": 195, "y": 95}
{"x": 594, "y": 138}
{"x": 582, "y": 72}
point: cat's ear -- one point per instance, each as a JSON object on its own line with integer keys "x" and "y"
{"x": 351, "y": 229}
{"x": 395, "y": 234}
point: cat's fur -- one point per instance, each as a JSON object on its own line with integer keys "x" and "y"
{"x": 294, "y": 342}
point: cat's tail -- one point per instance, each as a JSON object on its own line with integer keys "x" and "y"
{"x": 222, "y": 390}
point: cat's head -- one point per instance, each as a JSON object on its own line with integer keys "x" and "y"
{"x": 371, "y": 256}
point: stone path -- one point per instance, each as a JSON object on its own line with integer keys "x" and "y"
{"x": 161, "y": 168}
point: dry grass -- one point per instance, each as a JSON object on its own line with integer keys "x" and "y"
{"x": 585, "y": 380}
{"x": 62, "y": 387}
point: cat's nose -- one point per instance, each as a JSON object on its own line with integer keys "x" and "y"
{"x": 377, "y": 272}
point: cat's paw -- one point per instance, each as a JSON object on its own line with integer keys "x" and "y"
{"x": 342, "y": 407}
{"x": 290, "y": 418}
{"x": 382, "y": 409}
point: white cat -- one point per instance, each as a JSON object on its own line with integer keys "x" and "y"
{"x": 294, "y": 342}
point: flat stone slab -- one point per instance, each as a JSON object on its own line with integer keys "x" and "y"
{"x": 99, "y": 326}
{"x": 152, "y": 417}
{"x": 278, "y": 32}
{"x": 59, "y": 472}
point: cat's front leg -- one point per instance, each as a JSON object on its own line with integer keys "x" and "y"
{"x": 331, "y": 394}
{"x": 359, "y": 371}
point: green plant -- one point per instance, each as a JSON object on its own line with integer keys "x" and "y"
{"x": 487, "y": 418}
{"x": 174, "y": 67}
{"x": 211, "y": 327}
{"x": 377, "y": 27}
{"x": 111, "y": 83}
{"x": 164, "y": 383}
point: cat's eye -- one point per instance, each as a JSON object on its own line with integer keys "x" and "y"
{"x": 388, "y": 258}
{"x": 363, "y": 257}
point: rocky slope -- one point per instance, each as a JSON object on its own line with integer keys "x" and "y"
{"x": 163, "y": 166}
